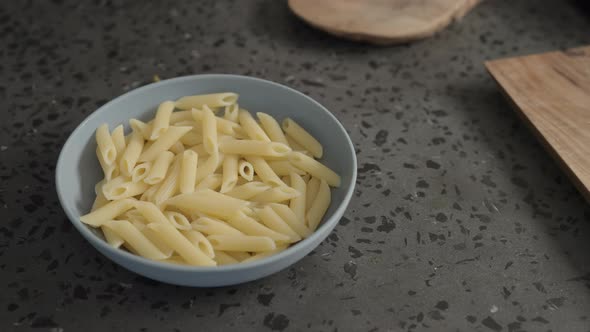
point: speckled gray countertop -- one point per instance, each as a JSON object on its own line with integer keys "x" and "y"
{"x": 460, "y": 222}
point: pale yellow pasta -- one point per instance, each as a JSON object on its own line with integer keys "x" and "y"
{"x": 145, "y": 129}
{"x": 238, "y": 255}
{"x": 200, "y": 241}
{"x": 301, "y": 136}
{"x": 162, "y": 119}
{"x": 273, "y": 221}
{"x": 148, "y": 195}
{"x": 261, "y": 255}
{"x": 315, "y": 168}
{"x": 295, "y": 146}
{"x": 176, "y": 148}
{"x": 230, "y": 173}
{"x": 168, "y": 187}
{"x": 159, "y": 168}
{"x": 223, "y": 126}
{"x": 155, "y": 238}
{"x": 289, "y": 217}
{"x": 272, "y": 128}
{"x": 242, "y": 243}
{"x": 209, "y": 130}
{"x": 276, "y": 195}
{"x": 212, "y": 181}
{"x": 110, "y": 171}
{"x": 151, "y": 212}
{"x": 231, "y": 113}
{"x": 118, "y": 137}
{"x": 173, "y": 238}
{"x": 264, "y": 171}
{"x": 134, "y": 238}
{"x": 180, "y": 116}
{"x": 112, "y": 238}
{"x": 107, "y": 212}
{"x": 164, "y": 142}
{"x": 140, "y": 171}
{"x": 222, "y": 258}
{"x": 134, "y": 216}
{"x": 254, "y": 148}
{"x": 312, "y": 190}
{"x": 178, "y": 220}
{"x": 209, "y": 202}
{"x": 188, "y": 171}
{"x": 191, "y": 138}
{"x": 106, "y": 147}
{"x": 319, "y": 206}
{"x": 131, "y": 154}
{"x": 175, "y": 260}
{"x": 246, "y": 170}
{"x": 251, "y": 127}
{"x": 211, "y": 226}
{"x": 248, "y": 190}
{"x": 284, "y": 167}
{"x": 100, "y": 200}
{"x": 209, "y": 166}
{"x": 297, "y": 204}
{"x": 211, "y": 100}
{"x": 200, "y": 150}
{"x": 121, "y": 190}
{"x": 250, "y": 226}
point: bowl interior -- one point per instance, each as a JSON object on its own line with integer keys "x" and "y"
{"x": 78, "y": 169}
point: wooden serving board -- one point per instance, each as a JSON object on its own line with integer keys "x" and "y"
{"x": 381, "y": 21}
{"x": 552, "y": 93}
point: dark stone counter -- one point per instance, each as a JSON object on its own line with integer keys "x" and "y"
{"x": 460, "y": 222}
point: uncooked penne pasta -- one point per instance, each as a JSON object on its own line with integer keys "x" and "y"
{"x": 159, "y": 168}
{"x": 211, "y": 226}
{"x": 188, "y": 171}
{"x": 230, "y": 173}
{"x": 173, "y": 238}
{"x": 242, "y": 243}
{"x": 248, "y": 190}
{"x": 264, "y": 171}
{"x": 162, "y": 119}
{"x": 251, "y": 127}
{"x": 246, "y": 170}
{"x": 164, "y": 142}
{"x": 301, "y": 136}
{"x": 211, "y": 100}
{"x": 315, "y": 168}
{"x": 276, "y": 195}
{"x": 319, "y": 206}
{"x": 106, "y": 147}
{"x": 131, "y": 154}
{"x": 272, "y": 128}
{"x": 254, "y": 148}
{"x": 107, "y": 212}
{"x": 134, "y": 238}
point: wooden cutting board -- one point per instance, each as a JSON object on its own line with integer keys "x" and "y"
{"x": 381, "y": 21}
{"x": 552, "y": 93}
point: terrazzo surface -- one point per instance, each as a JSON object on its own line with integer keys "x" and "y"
{"x": 460, "y": 221}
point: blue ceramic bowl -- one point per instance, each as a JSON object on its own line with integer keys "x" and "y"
{"x": 78, "y": 170}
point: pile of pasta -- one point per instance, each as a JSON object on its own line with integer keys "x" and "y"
{"x": 191, "y": 187}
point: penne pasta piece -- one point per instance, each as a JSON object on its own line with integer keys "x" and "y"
{"x": 175, "y": 260}
{"x": 242, "y": 243}
{"x": 200, "y": 150}
{"x": 209, "y": 129}
{"x": 211, "y": 226}
{"x": 180, "y": 116}
{"x": 178, "y": 220}
{"x": 248, "y": 190}
{"x": 173, "y": 238}
{"x": 315, "y": 168}
{"x": 209, "y": 202}
{"x": 289, "y": 217}
{"x": 272, "y": 128}
{"x": 212, "y": 181}
{"x": 106, "y": 146}
{"x": 273, "y": 221}
{"x": 312, "y": 190}
{"x": 224, "y": 259}
{"x": 134, "y": 216}
{"x": 265, "y": 254}
{"x": 200, "y": 241}
{"x": 168, "y": 187}
{"x": 265, "y": 172}
{"x": 131, "y": 154}
{"x": 283, "y": 168}
{"x": 223, "y": 126}
{"x": 162, "y": 119}
{"x": 211, "y": 100}
{"x": 295, "y": 146}
{"x": 151, "y": 212}
{"x": 116, "y": 189}
{"x": 276, "y": 195}
{"x": 301, "y": 136}
{"x": 140, "y": 171}
{"x": 297, "y": 204}
{"x": 254, "y": 148}
{"x": 110, "y": 171}
{"x": 112, "y": 238}
{"x": 250, "y": 226}
{"x": 231, "y": 113}
{"x": 192, "y": 138}
{"x": 118, "y": 137}
{"x": 251, "y": 127}
{"x": 246, "y": 170}
{"x": 145, "y": 129}
{"x": 230, "y": 173}
{"x": 107, "y": 212}
{"x": 209, "y": 166}
{"x": 163, "y": 143}
{"x": 154, "y": 238}
{"x": 188, "y": 171}
{"x": 319, "y": 206}
{"x": 99, "y": 201}
{"x": 134, "y": 238}
{"x": 238, "y": 255}
{"x": 159, "y": 168}
{"x": 176, "y": 148}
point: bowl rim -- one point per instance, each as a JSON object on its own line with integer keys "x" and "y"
{"x": 101, "y": 244}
